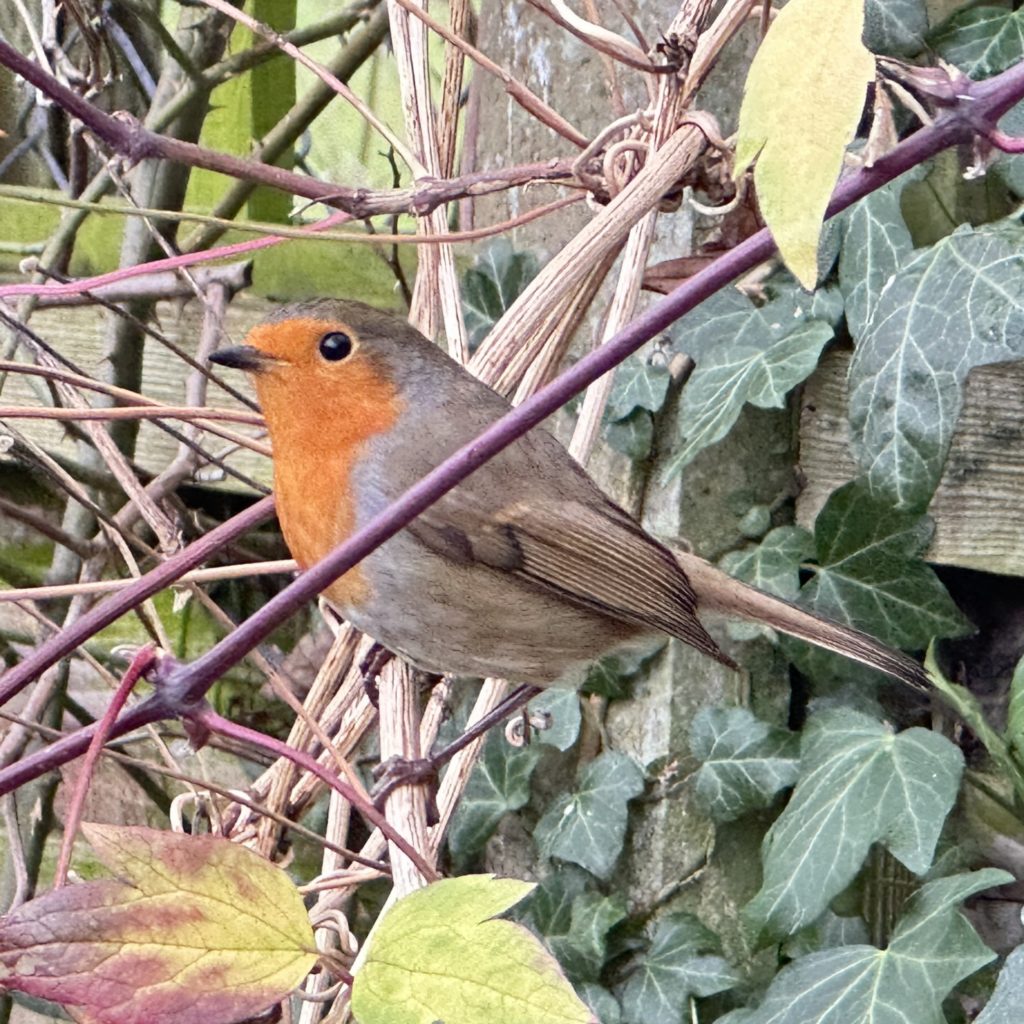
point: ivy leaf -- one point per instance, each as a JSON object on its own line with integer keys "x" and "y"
{"x": 574, "y": 921}
{"x": 981, "y": 41}
{"x": 828, "y": 932}
{"x": 870, "y": 574}
{"x": 932, "y": 949}
{"x": 500, "y": 784}
{"x": 875, "y": 241}
{"x": 611, "y": 676}
{"x": 562, "y": 707}
{"x": 895, "y": 27}
{"x": 496, "y": 280}
{"x": 774, "y": 564}
{"x": 1008, "y": 997}
{"x": 640, "y": 383}
{"x": 953, "y": 306}
{"x": 632, "y": 436}
{"x": 745, "y": 763}
{"x": 602, "y": 1002}
{"x": 192, "y": 929}
{"x": 801, "y": 104}
{"x": 438, "y": 955}
{"x": 676, "y": 968}
{"x": 588, "y": 827}
{"x": 860, "y": 783}
{"x": 1015, "y": 711}
{"x": 769, "y": 351}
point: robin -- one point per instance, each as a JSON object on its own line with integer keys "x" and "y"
{"x": 525, "y": 571}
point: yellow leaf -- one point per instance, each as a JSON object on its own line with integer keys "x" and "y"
{"x": 801, "y": 104}
{"x": 438, "y": 956}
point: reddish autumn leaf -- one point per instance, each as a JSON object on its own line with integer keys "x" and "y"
{"x": 192, "y": 929}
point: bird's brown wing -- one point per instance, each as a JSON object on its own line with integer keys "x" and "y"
{"x": 598, "y": 558}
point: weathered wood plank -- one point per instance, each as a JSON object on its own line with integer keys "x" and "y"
{"x": 977, "y": 508}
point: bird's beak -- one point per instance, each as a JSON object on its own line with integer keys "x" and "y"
{"x": 244, "y": 357}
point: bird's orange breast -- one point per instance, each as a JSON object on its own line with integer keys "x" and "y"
{"x": 320, "y": 425}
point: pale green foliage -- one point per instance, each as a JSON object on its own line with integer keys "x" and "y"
{"x": 438, "y": 954}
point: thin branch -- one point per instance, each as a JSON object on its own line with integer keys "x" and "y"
{"x": 601, "y": 39}
{"x": 240, "y": 570}
{"x": 169, "y": 286}
{"x": 132, "y": 412}
{"x": 135, "y": 142}
{"x": 142, "y": 661}
{"x": 207, "y": 718}
{"x": 55, "y": 648}
{"x": 529, "y": 101}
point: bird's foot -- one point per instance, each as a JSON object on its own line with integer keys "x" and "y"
{"x": 399, "y": 771}
{"x": 371, "y": 667}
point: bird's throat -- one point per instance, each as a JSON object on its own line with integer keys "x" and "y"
{"x": 315, "y": 456}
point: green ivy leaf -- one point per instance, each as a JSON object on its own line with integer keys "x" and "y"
{"x": 438, "y": 955}
{"x": 611, "y": 676}
{"x": 496, "y": 280}
{"x": 860, "y": 783}
{"x": 676, "y": 968}
{"x": 875, "y": 241}
{"x": 828, "y": 932}
{"x": 563, "y": 708}
{"x": 500, "y": 784}
{"x": 870, "y": 574}
{"x": 745, "y": 763}
{"x": 588, "y": 827}
{"x": 895, "y": 27}
{"x": 574, "y": 921}
{"x": 774, "y": 564}
{"x": 768, "y": 352}
{"x": 932, "y": 949}
{"x": 981, "y": 41}
{"x": 1008, "y": 997}
{"x": 602, "y": 1002}
{"x": 632, "y": 436}
{"x": 640, "y": 383}
{"x": 949, "y": 308}
{"x": 1015, "y": 712}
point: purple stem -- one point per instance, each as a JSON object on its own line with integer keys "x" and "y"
{"x": 1006, "y": 143}
{"x": 979, "y": 107}
{"x": 211, "y": 721}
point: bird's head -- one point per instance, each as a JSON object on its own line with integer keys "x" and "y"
{"x": 329, "y": 365}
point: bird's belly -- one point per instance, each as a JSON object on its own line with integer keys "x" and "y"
{"x": 477, "y": 621}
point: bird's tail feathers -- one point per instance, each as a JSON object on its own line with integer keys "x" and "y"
{"x": 719, "y": 592}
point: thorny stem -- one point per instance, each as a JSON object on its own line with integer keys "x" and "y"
{"x": 979, "y": 106}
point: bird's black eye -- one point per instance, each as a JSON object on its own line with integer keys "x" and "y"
{"x": 335, "y": 346}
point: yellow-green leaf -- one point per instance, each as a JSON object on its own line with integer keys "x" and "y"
{"x": 194, "y": 930}
{"x": 438, "y": 956}
{"x": 801, "y": 104}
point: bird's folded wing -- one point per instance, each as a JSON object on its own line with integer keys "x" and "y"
{"x": 597, "y": 558}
